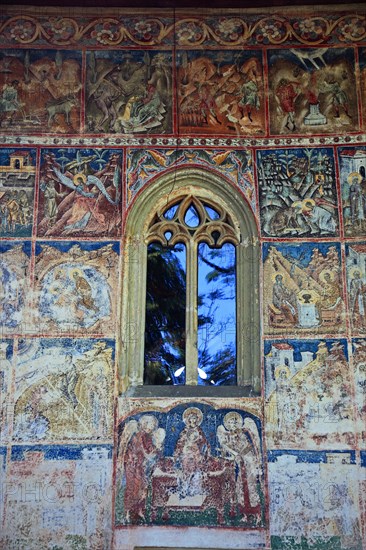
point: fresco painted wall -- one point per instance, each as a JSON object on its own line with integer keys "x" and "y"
{"x": 92, "y": 108}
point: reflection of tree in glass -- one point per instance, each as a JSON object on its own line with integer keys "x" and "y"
{"x": 216, "y": 314}
{"x": 165, "y": 314}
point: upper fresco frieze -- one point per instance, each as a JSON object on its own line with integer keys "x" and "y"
{"x": 165, "y": 29}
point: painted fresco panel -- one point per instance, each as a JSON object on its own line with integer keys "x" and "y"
{"x": 314, "y": 500}
{"x": 129, "y": 92}
{"x": 17, "y": 179}
{"x": 63, "y": 390}
{"x": 312, "y": 91}
{"x": 14, "y": 271}
{"x": 297, "y": 192}
{"x": 6, "y": 372}
{"x": 352, "y": 161}
{"x": 75, "y": 287}
{"x": 362, "y": 63}
{"x": 40, "y": 91}
{"x": 234, "y": 165}
{"x": 220, "y": 92}
{"x": 3, "y": 451}
{"x": 303, "y": 289}
{"x": 191, "y": 464}
{"x": 80, "y": 193}
{"x": 309, "y": 394}
{"x": 363, "y": 492}
{"x": 356, "y": 286}
{"x": 92, "y": 110}
{"x": 58, "y": 497}
{"x": 359, "y": 365}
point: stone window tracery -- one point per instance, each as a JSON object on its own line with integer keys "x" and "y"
{"x": 201, "y": 214}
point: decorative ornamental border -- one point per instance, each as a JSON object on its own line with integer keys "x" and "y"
{"x": 233, "y": 142}
{"x": 212, "y": 30}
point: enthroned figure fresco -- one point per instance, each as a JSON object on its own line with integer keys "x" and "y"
{"x": 221, "y": 92}
{"x": 80, "y": 193}
{"x": 129, "y": 92}
{"x": 303, "y": 288}
{"x": 312, "y": 90}
{"x": 192, "y": 465}
{"x": 40, "y": 91}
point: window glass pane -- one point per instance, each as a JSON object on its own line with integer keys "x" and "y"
{"x": 216, "y": 315}
{"x": 170, "y": 213}
{"x": 191, "y": 217}
{"x": 165, "y": 315}
{"x": 212, "y": 213}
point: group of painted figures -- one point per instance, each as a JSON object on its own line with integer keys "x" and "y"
{"x": 218, "y": 91}
{"x": 195, "y": 476}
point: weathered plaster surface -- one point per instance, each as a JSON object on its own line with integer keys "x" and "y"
{"x": 95, "y": 109}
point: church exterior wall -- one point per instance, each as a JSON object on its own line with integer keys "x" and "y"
{"x": 93, "y": 109}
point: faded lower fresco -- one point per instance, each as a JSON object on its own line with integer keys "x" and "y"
{"x": 62, "y": 500}
{"x": 309, "y": 394}
{"x": 6, "y": 355}
{"x": 314, "y": 500}
{"x": 363, "y": 492}
{"x": 14, "y": 273}
{"x": 359, "y": 365}
{"x": 63, "y": 390}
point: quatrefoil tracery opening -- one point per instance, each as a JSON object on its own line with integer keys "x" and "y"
{"x": 192, "y": 218}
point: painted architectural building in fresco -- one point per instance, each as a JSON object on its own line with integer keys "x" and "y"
{"x": 183, "y": 278}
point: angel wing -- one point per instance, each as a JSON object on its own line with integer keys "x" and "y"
{"x": 93, "y": 180}
{"x": 116, "y": 177}
{"x": 251, "y": 427}
{"x": 131, "y": 427}
{"x": 64, "y": 179}
{"x": 129, "y": 430}
{"x": 159, "y": 438}
{"x": 223, "y": 439}
{"x": 70, "y": 184}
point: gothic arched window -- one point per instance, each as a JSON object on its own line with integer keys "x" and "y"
{"x": 190, "y": 307}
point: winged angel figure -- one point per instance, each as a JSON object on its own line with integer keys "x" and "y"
{"x": 88, "y": 190}
{"x": 140, "y": 447}
{"x": 240, "y": 442}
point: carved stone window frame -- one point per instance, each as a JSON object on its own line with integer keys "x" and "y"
{"x": 166, "y": 189}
